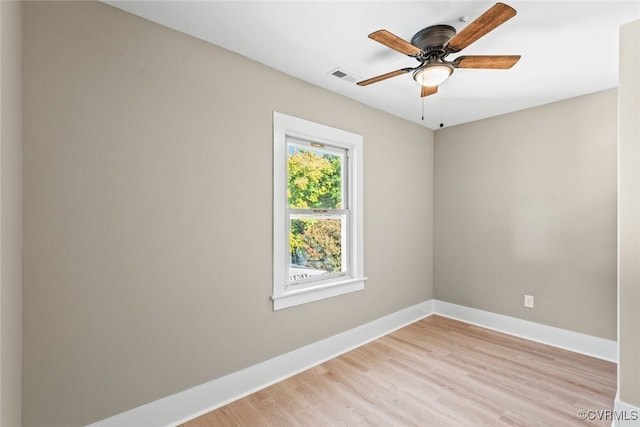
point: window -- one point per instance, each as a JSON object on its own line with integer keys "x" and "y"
{"x": 317, "y": 206}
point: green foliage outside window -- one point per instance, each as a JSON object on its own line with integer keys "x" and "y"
{"x": 315, "y": 182}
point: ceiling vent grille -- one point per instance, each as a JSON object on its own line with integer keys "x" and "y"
{"x": 344, "y": 75}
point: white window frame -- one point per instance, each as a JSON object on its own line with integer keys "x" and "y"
{"x": 286, "y": 295}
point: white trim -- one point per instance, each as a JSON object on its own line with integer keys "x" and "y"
{"x": 284, "y": 127}
{"x": 316, "y": 293}
{"x": 629, "y": 415}
{"x": 186, "y": 405}
{"x": 574, "y": 341}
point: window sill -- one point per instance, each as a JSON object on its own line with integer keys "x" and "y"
{"x": 305, "y": 295}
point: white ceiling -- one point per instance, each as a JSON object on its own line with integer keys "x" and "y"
{"x": 568, "y": 48}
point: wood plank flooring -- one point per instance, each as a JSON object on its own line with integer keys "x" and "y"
{"x": 435, "y": 372}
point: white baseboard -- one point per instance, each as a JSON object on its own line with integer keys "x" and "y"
{"x": 183, "y": 406}
{"x": 562, "y": 338}
{"x": 625, "y": 415}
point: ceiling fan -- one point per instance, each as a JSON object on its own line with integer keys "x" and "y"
{"x": 431, "y": 45}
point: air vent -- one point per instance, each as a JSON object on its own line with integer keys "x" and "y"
{"x": 344, "y": 75}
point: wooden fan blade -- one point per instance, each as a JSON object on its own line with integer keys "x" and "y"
{"x": 384, "y": 76}
{"x": 428, "y": 90}
{"x": 488, "y": 21}
{"x": 493, "y": 62}
{"x": 394, "y": 42}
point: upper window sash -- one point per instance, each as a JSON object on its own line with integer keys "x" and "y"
{"x": 323, "y": 148}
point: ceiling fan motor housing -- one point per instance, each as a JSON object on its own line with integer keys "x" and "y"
{"x": 433, "y": 39}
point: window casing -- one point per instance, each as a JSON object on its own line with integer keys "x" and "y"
{"x": 317, "y": 216}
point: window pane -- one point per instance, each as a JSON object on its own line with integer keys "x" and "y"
{"x": 317, "y": 244}
{"x": 314, "y": 178}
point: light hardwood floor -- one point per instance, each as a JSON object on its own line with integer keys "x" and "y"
{"x": 435, "y": 372}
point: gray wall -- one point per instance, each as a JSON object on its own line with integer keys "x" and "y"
{"x": 629, "y": 216}
{"x": 147, "y": 234}
{"x": 525, "y": 203}
{"x": 10, "y": 213}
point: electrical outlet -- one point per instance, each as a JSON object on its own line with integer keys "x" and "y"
{"x": 528, "y": 301}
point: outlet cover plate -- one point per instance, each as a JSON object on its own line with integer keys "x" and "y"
{"x": 528, "y": 301}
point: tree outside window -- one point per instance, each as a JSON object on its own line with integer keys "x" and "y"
{"x": 315, "y": 200}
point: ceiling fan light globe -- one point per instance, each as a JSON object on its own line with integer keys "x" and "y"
{"x": 432, "y": 75}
